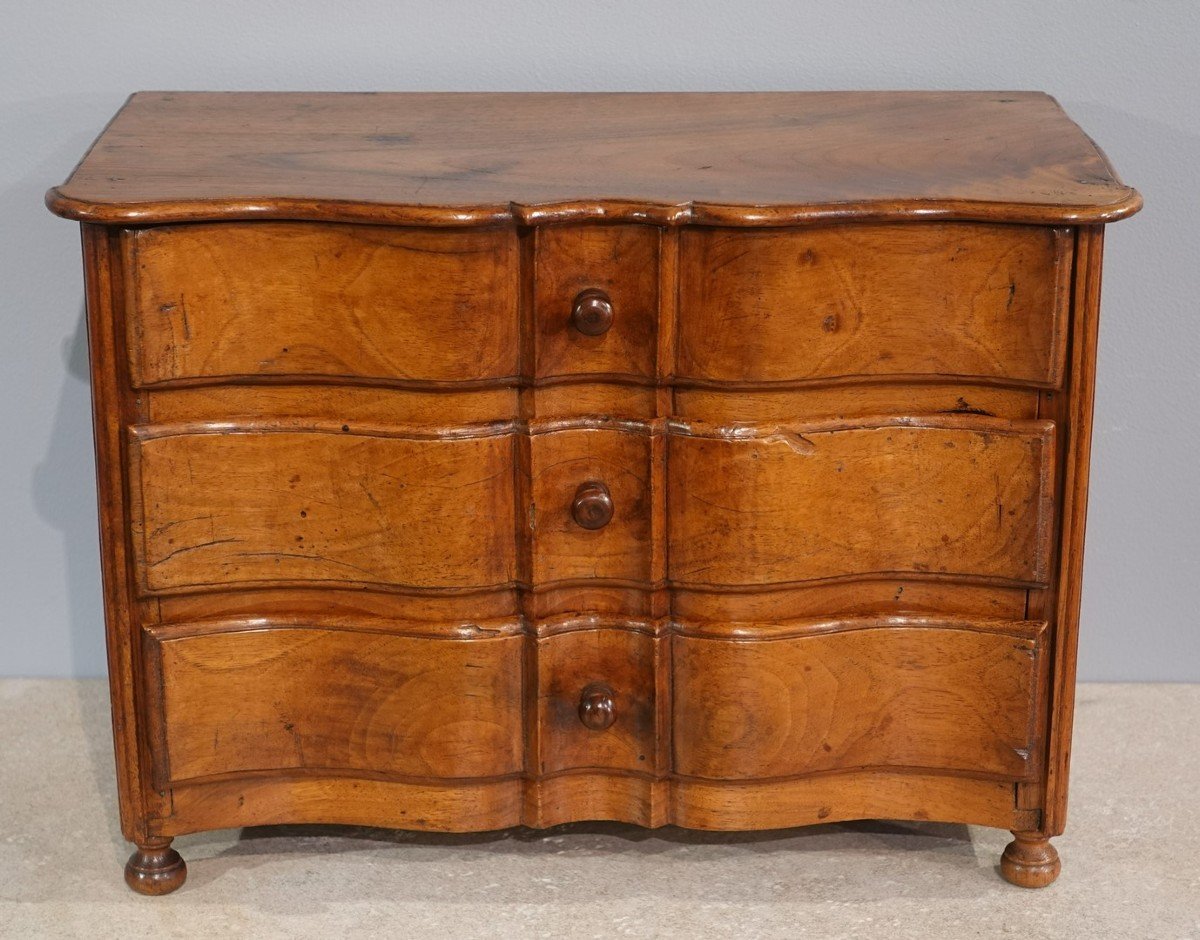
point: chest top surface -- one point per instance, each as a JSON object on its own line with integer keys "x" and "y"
{"x": 463, "y": 159}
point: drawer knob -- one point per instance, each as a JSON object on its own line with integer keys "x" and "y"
{"x": 598, "y": 707}
{"x": 593, "y": 505}
{"x": 592, "y": 313}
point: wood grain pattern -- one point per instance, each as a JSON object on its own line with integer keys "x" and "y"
{"x": 620, "y": 260}
{"x": 597, "y": 795}
{"x": 436, "y": 806}
{"x": 867, "y": 794}
{"x": 348, "y": 404}
{"x": 625, "y": 661}
{"x": 111, "y": 408}
{"x": 295, "y": 299}
{"x": 774, "y": 406}
{"x": 1076, "y": 413}
{"x": 732, "y": 159}
{"x": 887, "y": 595}
{"x": 439, "y": 610}
{"x": 705, "y": 804}
{"x": 1030, "y": 861}
{"x": 472, "y": 806}
{"x": 859, "y": 694}
{"x": 946, "y": 496}
{"x": 564, "y": 550}
{"x": 335, "y": 700}
{"x": 340, "y": 504}
{"x": 954, "y": 299}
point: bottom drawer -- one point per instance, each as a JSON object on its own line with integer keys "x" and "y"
{"x": 598, "y": 701}
{"x": 899, "y": 692}
{"x": 239, "y": 699}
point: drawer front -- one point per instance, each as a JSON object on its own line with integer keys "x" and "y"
{"x": 949, "y": 497}
{"x": 944, "y": 696}
{"x": 296, "y": 299}
{"x": 337, "y": 700}
{"x": 262, "y": 504}
{"x": 590, "y": 515}
{"x": 597, "y": 700}
{"x": 612, "y": 268}
{"x": 812, "y": 304}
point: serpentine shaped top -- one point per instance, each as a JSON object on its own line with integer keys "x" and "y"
{"x": 751, "y": 159}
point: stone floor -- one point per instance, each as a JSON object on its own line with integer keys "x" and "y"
{"x": 1131, "y": 856}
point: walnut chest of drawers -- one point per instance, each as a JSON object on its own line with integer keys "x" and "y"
{"x": 468, "y": 461}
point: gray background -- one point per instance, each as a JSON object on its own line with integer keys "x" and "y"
{"x": 1128, "y": 72}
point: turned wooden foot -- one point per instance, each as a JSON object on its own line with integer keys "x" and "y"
{"x": 1030, "y": 861}
{"x": 155, "y": 868}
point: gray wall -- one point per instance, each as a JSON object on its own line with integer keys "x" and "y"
{"x": 1127, "y": 71}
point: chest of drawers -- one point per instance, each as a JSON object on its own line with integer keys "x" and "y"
{"x": 468, "y": 461}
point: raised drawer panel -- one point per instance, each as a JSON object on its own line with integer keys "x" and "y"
{"x": 945, "y": 696}
{"x": 622, "y": 262}
{"x": 563, "y": 548}
{"x": 826, "y": 302}
{"x": 951, "y": 497}
{"x": 275, "y": 505}
{"x": 299, "y": 299}
{"x": 617, "y": 664}
{"x": 335, "y": 700}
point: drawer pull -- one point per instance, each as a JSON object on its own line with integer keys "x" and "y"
{"x": 592, "y": 313}
{"x": 593, "y": 505}
{"x": 597, "y": 707}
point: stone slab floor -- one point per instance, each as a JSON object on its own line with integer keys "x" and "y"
{"x": 1131, "y": 856}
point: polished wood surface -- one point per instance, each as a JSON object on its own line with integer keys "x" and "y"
{"x": 732, "y": 477}
{"x": 596, "y": 300}
{"x": 819, "y": 303}
{"x": 1030, "y": 861}
{"x": 332, "y": 697}
{"x": 827, "y": 696}
{"x": 597, "y": 700}
{"x": 155, "y": 868}
{"x": 466, "y": 159}
{"x": 590, "y": 508}
{"x": 355, "y": 302}
{"x": 941, "y": 497}
{"x": 386, "y": 507}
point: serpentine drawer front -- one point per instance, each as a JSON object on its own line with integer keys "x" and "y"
{"x": 468, "y": 461}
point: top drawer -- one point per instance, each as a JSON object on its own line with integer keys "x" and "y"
{"x": 954, "y": 299}
{"x": 297, "y": 299}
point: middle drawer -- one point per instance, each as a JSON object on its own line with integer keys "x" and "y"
{"x": 220, "y": 505}
{"x": 590, "y": 513}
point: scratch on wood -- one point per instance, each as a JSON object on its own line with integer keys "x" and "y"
{"x": 370, "y": 496}
{"x": 187, "y": 326}
{"x": 192, "y": 548}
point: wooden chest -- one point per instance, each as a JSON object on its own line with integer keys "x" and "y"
{"x": 471, "y": 460}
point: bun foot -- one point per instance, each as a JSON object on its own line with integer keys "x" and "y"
{"x": 1030, "y": 861}
{"x": 155, "y": 869}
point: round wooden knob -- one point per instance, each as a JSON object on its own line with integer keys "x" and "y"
{"x": 597, "y": 707}
{"x": 593, "y": 505}
{"x": 592, "y": 313}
